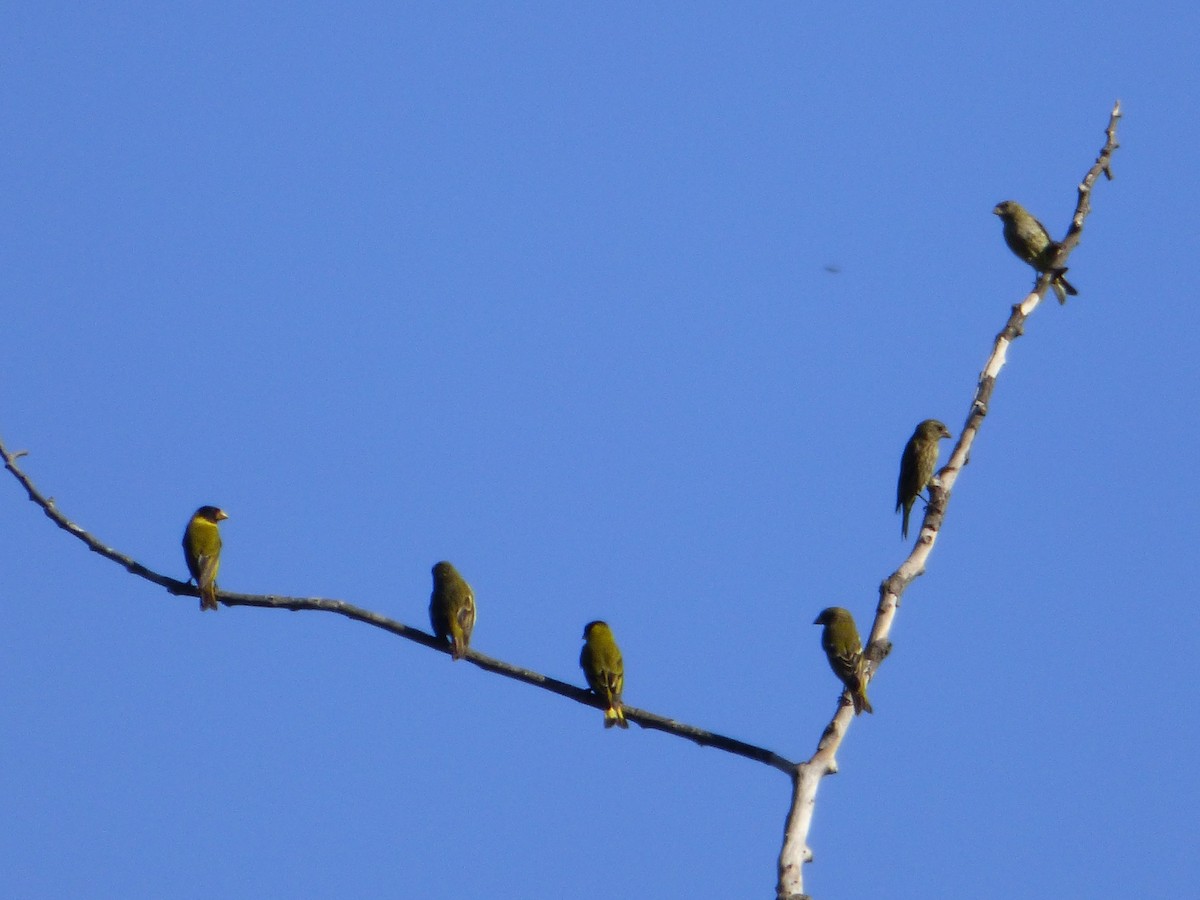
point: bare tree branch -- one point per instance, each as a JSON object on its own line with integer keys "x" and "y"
{"x": 806, "y": 777}
{"x": 643, "y": 718}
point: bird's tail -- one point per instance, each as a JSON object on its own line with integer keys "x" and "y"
{"x": 615, "y": 715}
{"x": 208, "y": 596}
{"x": 861, "y": 703}
{"x": 1063, "y": 288}
{"x": 458, "y": 647}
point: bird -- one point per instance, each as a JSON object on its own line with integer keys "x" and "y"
{"x": 601, "y": 662}
{"x": 202, "y": 550}
{"x": 452, "y": 608}
{"x": 916, "y": 466}
{"x": 1031, "y": 242}
{"x": 843, "y": 649}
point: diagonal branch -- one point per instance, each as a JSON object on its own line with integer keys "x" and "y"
{"x": 806, "y": 777}
{"x": 643, "y": 718}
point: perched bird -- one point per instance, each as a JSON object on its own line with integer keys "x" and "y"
{"x": 843, "y": 649}
{"x": 917, "y": 465}
{"x": 202, "y": 550}
{"x": 601, "y": 662}
{"x": 1029, "y": 239}
{"x": 452, "y": 608}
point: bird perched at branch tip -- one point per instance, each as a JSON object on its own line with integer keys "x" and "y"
{"x": 601, "y": 662}
{"x": 1031, "y": 242}
{"x": 202, "y": 550}
{"x": 916, "y": 466}
{"x": 452, "y": 609}
{"x": 843, "y": 649}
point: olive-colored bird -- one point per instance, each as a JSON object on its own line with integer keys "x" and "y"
{"x": 452, "y": 608}
{"x": 843, "y": 649}
{"x": 917, "y": 465}
{"x": 601, "y": 662}
{"x": 1029, "y": 240}
{"x": 202, "y": 550}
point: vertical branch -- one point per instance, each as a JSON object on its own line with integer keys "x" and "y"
{"x": 806, "y": 777}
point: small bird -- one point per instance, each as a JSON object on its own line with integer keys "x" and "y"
{"x": 601, "y": 662}
{"x": 843, "y": 649}
{"x": 452, "y": 608}
{"x": 1029, "y": 240}
{"x": 202, "y": 550}
{"x": 917, "y": 465}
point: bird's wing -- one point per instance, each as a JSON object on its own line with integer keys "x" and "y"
{"x": 206, "y": 568}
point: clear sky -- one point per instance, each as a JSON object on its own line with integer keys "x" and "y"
{"x": 544, "y": 290}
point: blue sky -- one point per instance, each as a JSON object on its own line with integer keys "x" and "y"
{"x": 541, "y": 289}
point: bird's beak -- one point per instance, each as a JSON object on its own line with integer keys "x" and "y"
{"x": 946, "y": 433}
{"x": 221, "y": 514}
{"x": 995, "y": 210}
{"x": 817, "y": 620}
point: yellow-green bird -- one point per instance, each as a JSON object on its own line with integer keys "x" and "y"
{"x": 843, "y": 649}
{"x": 452, "y": 608}
{"x": 202, "y": 550}
{"x": 601, "y": 662}
{"x": 916, "y": 466}
{"x": 1031, "y": 242}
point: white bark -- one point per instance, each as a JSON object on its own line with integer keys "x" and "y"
{"x": 806, "y": 777}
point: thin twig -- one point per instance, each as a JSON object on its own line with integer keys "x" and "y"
{"x": 806, "y": 777}
{"x": 647, "y": 720}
